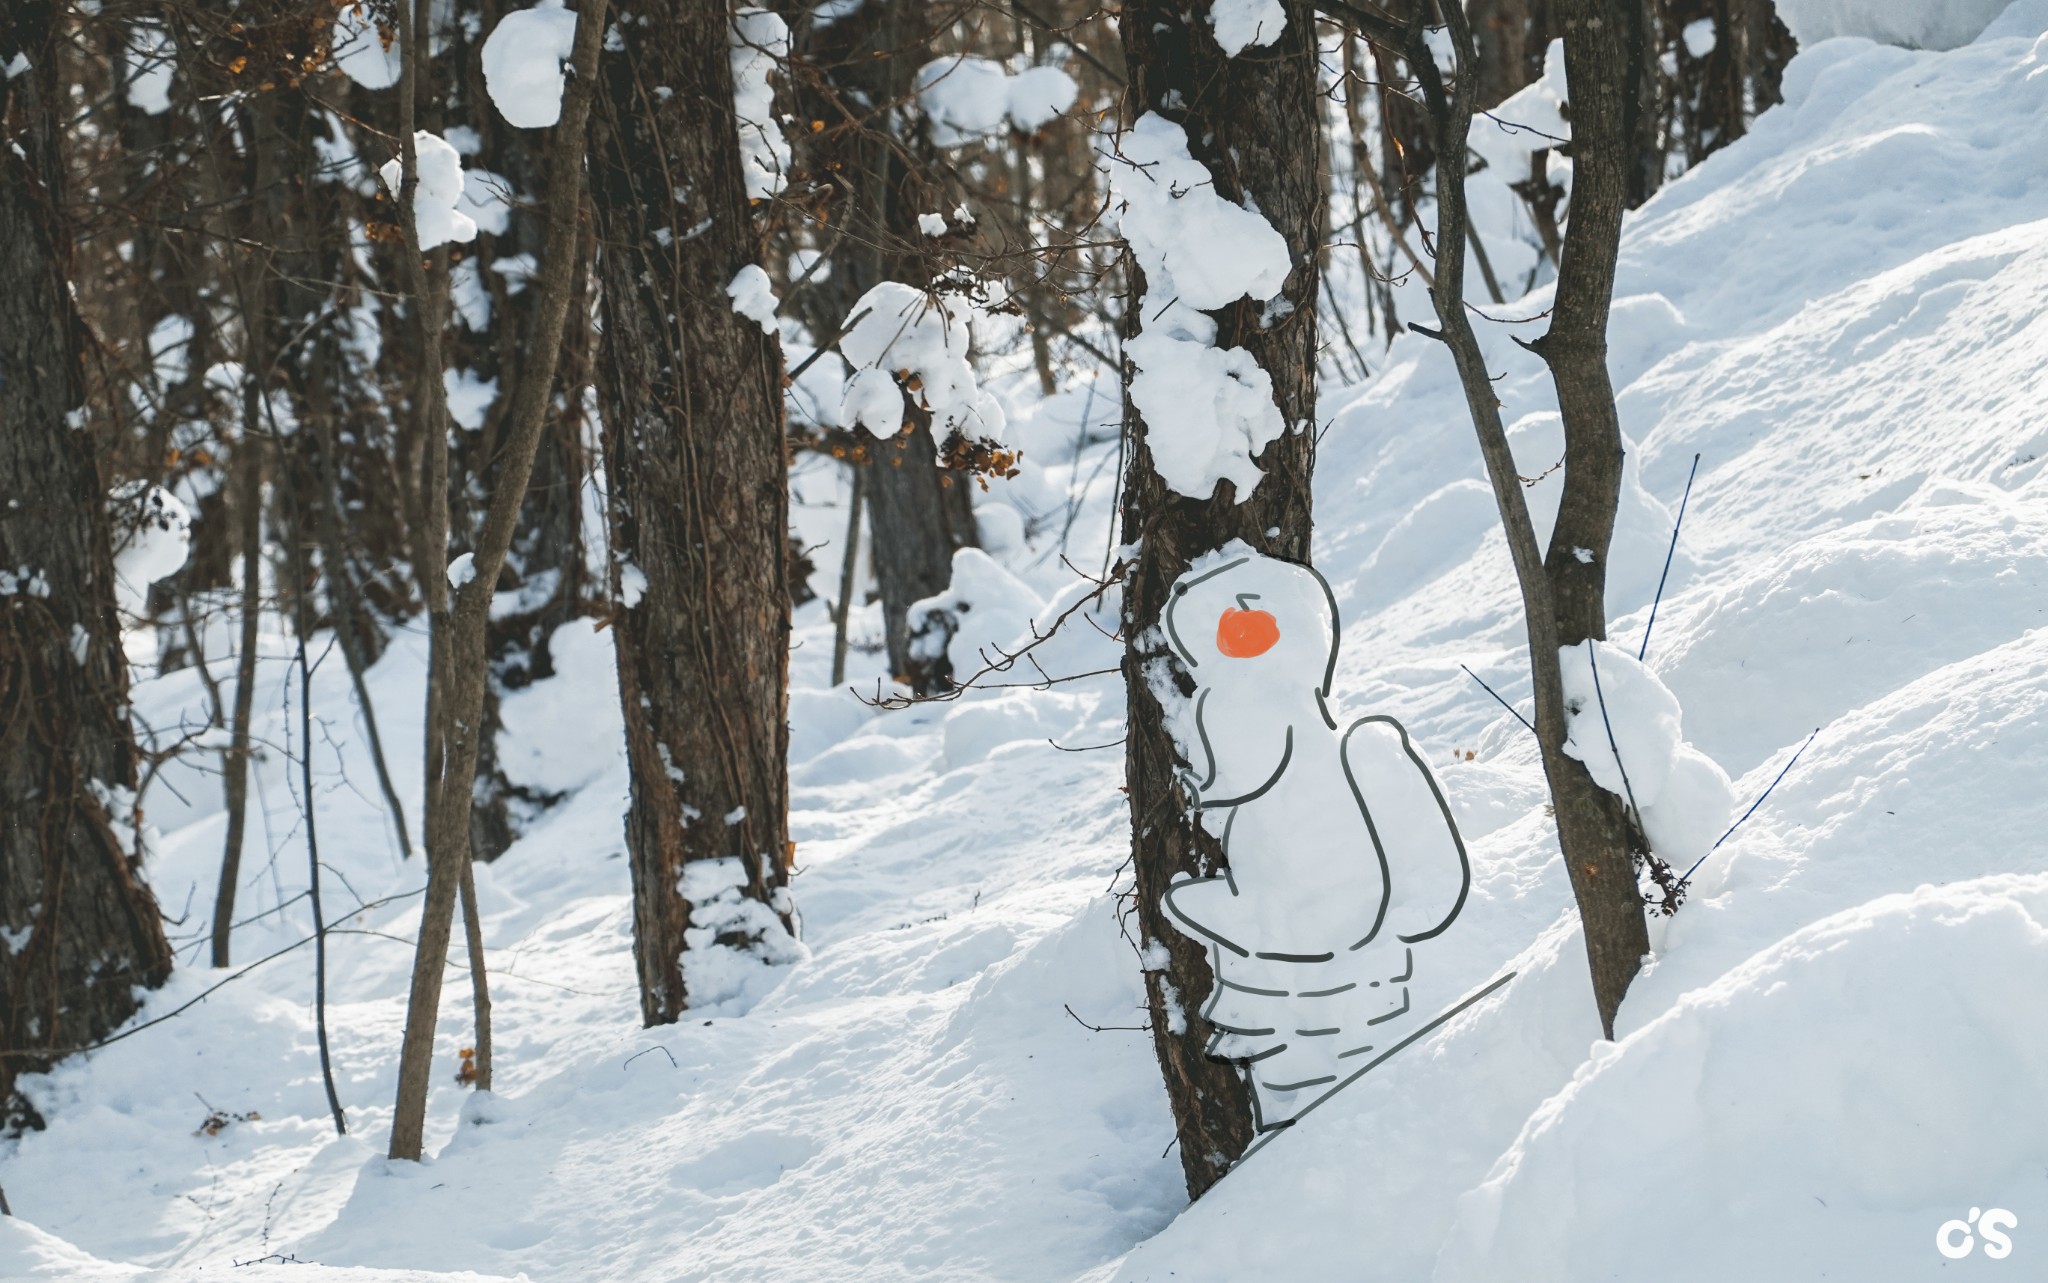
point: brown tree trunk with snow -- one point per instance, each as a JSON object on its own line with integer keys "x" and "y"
{"x": 1254, "y": 121}
{"x": 79, "y": 931}
{"x": 691, "y": 394}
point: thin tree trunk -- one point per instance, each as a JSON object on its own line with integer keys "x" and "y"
{"x": 84, "y": 933}
{"x": 460, "y": 661}
{"x": 235, "y": 762}
{"x": 849, "y": 563}
{"x": 479, "y": 978}
{"x": 693, "y": 438}
{"x": 1254, "y": 121}
{"x": 301, "y": 625}
{"x": 1563, "y": 596}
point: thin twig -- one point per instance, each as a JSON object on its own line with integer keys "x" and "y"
{"x": 1669, "y": 553}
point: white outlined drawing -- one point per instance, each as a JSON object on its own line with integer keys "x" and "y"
{"x": 1343, "y": 860}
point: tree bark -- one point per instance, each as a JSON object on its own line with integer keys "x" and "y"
{"x": 79, "y": 932}
{"x": 1253, "y": 120}
{"x": 693, "y": 441}
{"x": 460, "y": 628}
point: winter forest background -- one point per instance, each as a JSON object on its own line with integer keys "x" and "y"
{"x": 583, "y": 690}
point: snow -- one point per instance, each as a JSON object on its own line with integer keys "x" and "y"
{"x": 469, "y": 397}
{"x": 1915, "y": 24}
{"x": 753, "y": 296}
{"x": 760, "y": 40}
{"x": 1208, "y": 411}
{"x": 965, "y": 98}
{"x": 1829, "y": 1057}
{"x": 462, "y": 570}
{"x": 152, "y": 539}
{"x": 1242, "y": 23}
{"x": 894, "y": 329}
{"x": 984, "y": 614}
{"x": 360, "y": 52}
{"x": 440, "y": 191}
{"x": 523, "y": 59}
{"x": 486, "y": 197}
{"x": 932, "y": 224}
{"x": 152, "y": 59}
{"x": 1533, "y": 117}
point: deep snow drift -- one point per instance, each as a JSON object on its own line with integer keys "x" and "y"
{"x": 1837, "y": 1047}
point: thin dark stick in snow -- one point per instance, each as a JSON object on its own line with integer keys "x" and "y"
{"x": 1592, "y": 657}
{"x": 479, "y": 981}
{"x": 5, "y": 1210}
{"x": 1752, "y": 808}
{"x": 848, "y": 564}
{"x": 313, "y": 847}
{"x": 1496, "y": 695}
{"x": 1101, "y": 1029}
{"x": 1669, "y": 553}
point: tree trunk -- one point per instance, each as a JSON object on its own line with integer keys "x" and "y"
{"x": 1253, "y": 120}
{"x": 692, "y": 407}
{"x": 1593, "y": 824}
{"x": 1563, "y": 595}
{"x": 456, "y": 688}
{"x": 79, "y": 932}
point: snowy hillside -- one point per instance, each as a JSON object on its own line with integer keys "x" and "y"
{"x": 1837, "y": 1048}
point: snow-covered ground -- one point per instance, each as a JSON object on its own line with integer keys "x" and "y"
{"x": 1838, "y": 1047}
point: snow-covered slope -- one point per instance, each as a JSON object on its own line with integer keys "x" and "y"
{"x": 1837, "y": 1048}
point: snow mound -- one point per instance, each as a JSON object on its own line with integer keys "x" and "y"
{"x": 152, "y": 538}
{"x": 1740, "y": 1098}
{"x": 1916, "y": 24}
{"x": 985, "y": 613}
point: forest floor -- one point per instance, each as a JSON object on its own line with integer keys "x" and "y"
{"x": 1837, "y": 1047}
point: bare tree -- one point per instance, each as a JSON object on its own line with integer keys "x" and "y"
{"x": 1564, "y": 589}
{"x": 82, "y": 931}
{"x": 691, "y": 393}
{"x": 1254, "y": 121}
{"x": 457, "y": 684}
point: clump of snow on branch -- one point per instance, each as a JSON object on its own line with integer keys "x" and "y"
{"x": 360, "y": 51}
{"x": 1684, "y": 799}
{"x": 965, "y": 98}
{"x": 152, "y": 538}
{"x": 461, "y": 571}
{"x": 1208, "y": 411}
{"x": 760, "y": 39}
{"x": 902, "y": 340}
{"x": 753, "y": 296}
{"x": 440, "y": 190}
{"x": 523, "y": 59}
{"x": 733, "y": 941}
{"x": 1239, "y": 23}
